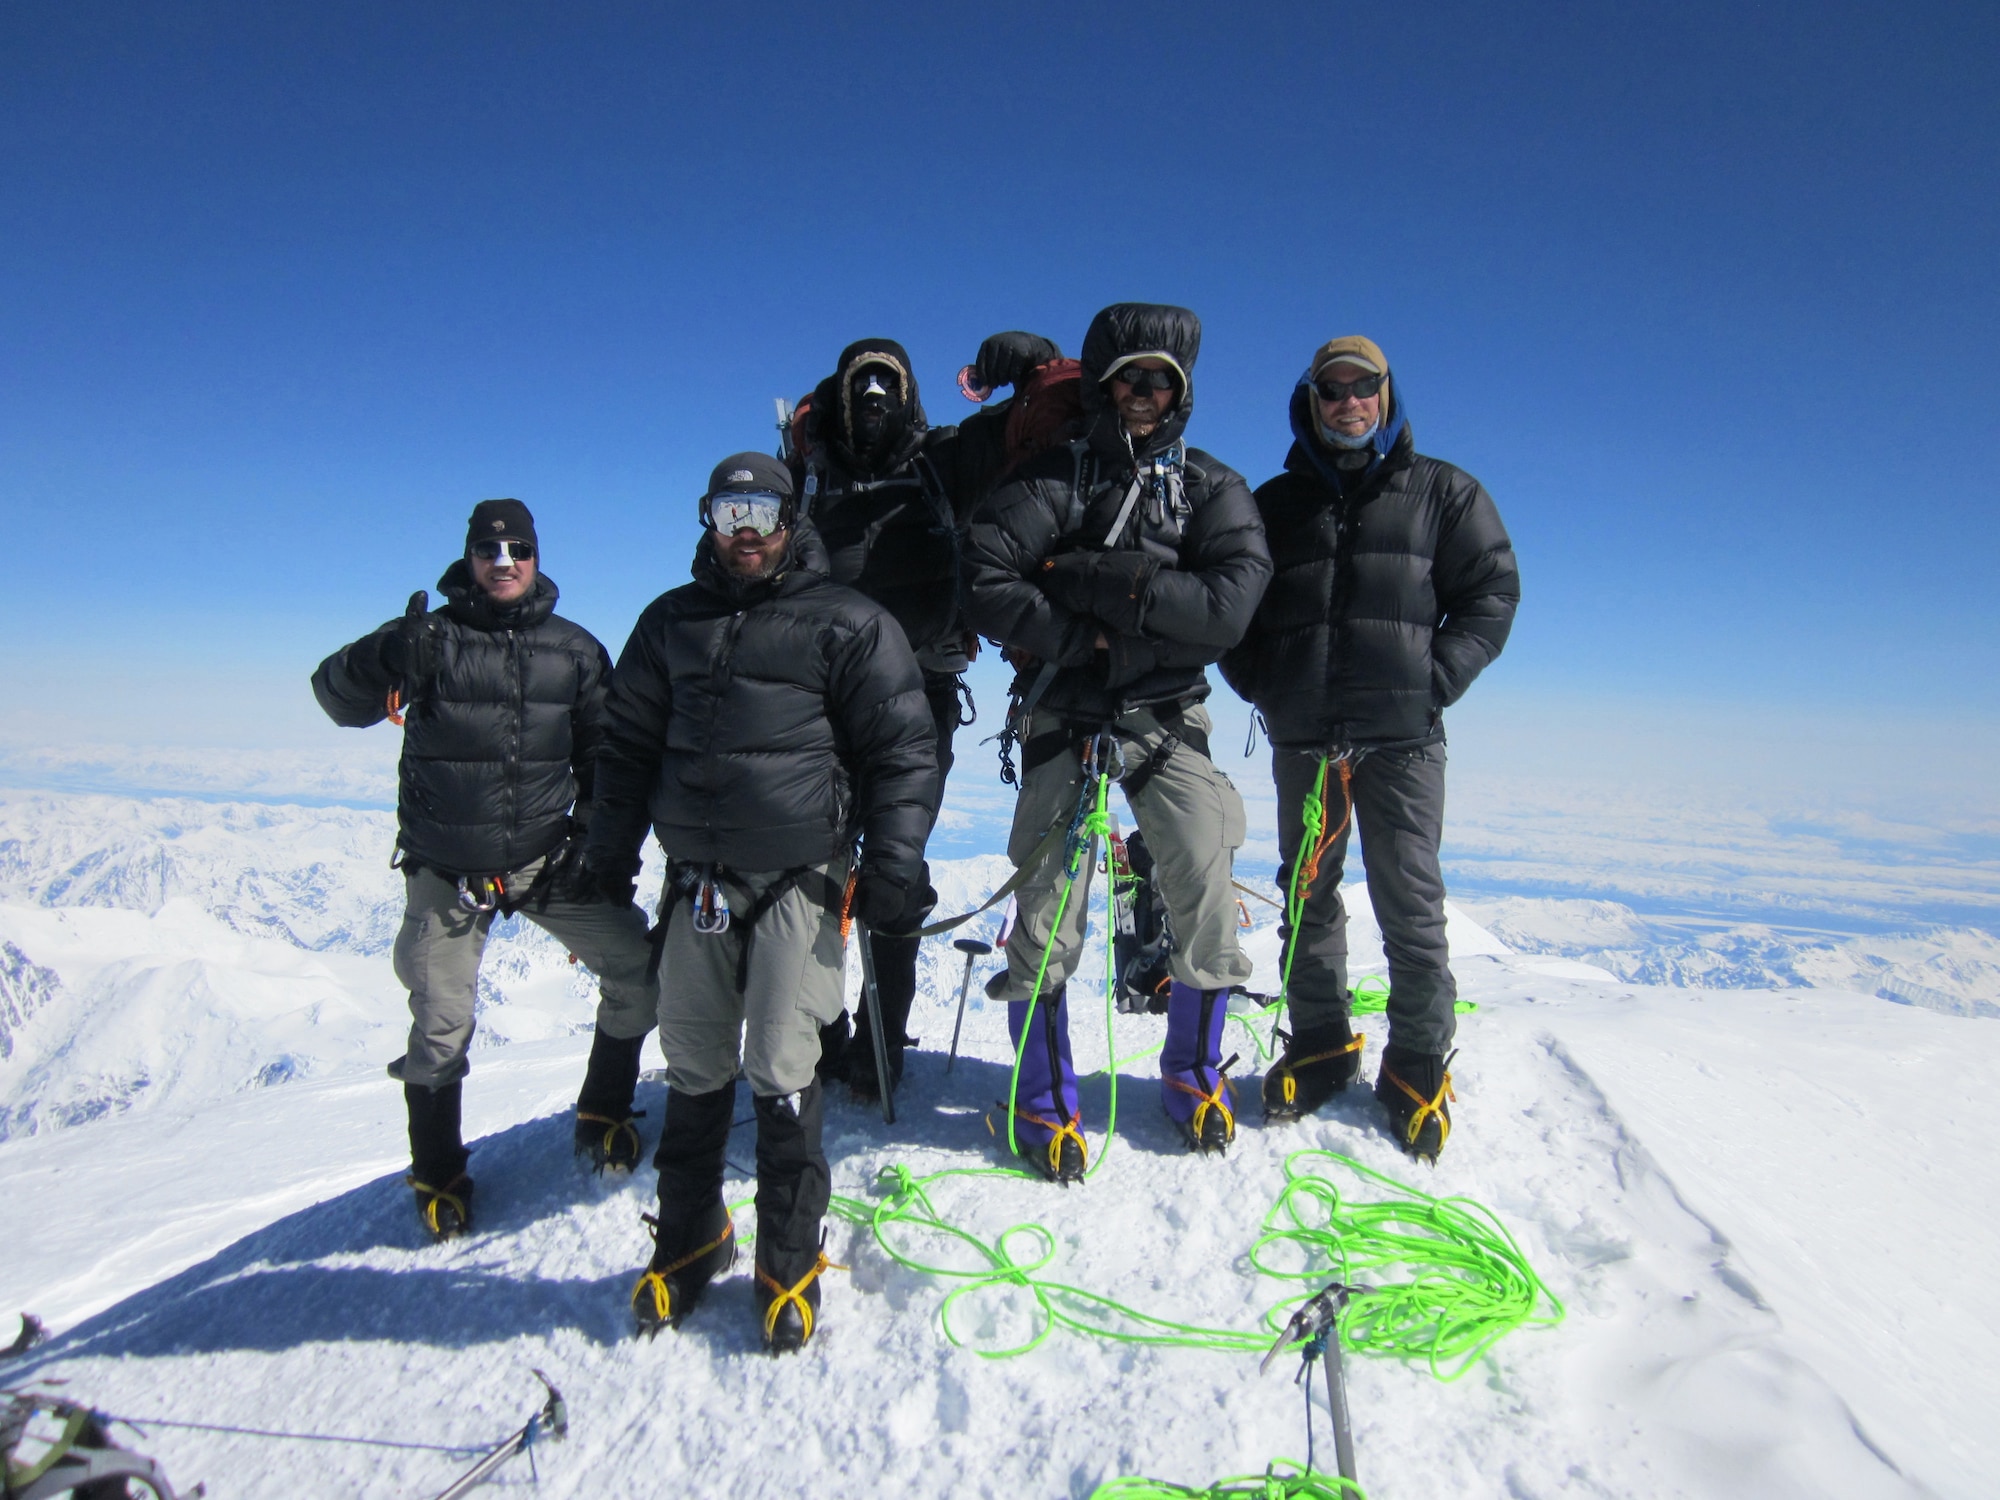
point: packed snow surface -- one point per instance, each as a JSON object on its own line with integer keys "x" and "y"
{"x": 1766, "y": 1211}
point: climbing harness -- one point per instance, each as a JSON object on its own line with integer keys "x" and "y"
{"x": 81, "y": 1456}
{"x": 710, "y": 907}
{"x": 78, "y": 1457}
{"x": 481, "y": 893}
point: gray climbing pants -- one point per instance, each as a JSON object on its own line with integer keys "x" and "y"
{"x": 791, "y": 985}
{"x": 1399, "y": 809}
{"x": 1192, "y": 817}
{"x": 440, "y": 944}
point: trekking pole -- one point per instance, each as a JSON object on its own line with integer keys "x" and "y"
{"x": 871, "y": 998}
{"x": 553, "y": 1417}
{"x": 971, "y": 948}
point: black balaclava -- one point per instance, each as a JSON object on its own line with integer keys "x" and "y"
{"x": 875, "y": 404}
{"x": 879, "y": 406}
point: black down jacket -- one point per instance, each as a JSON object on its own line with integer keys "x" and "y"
{"x": 761, "y": 725}
{"x": 501, "y": 743}
{"x": 1172, "y": 591}
{"x": 1395, "y": 585}
{"x": 892, "y": 521}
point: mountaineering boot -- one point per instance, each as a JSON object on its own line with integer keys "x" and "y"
{"x": 835, "y": 1037}
{"x": 693, "y": 1239}
{"x": 605, "y": 1134}
{"x": 1192, "y": 1086}
{"x": 1318, "y": 1062}
{"x": 687, "y": 1255}
{"x": 445, "y": 1211}
{"x": 1045, "y": 1104}
{"x": 1413, "y": 1088}
{"x": 896, "y": 985}
{"x": 437, "y": 1159}
{"x": 793, "y": 1186}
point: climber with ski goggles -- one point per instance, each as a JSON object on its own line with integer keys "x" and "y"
{"x": 759, "y": 511}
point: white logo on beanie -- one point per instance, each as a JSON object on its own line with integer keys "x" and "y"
{"x": 499, "y": 525}
{"x": 740, "y": 476}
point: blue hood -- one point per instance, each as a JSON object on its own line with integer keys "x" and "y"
{"x": 1305, "y": 429}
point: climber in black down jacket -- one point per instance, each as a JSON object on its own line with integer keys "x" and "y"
{"x": 502, "y": 702}
{"x": 760, "y": 719}
{"x": 1395, "y": 585}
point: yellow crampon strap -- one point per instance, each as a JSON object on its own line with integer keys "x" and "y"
{"x": 792, "y": 1294}
{"x": 612, "y": 1129}
{"x": 1059, "y": 1130}
{"x": 1288, "y": 1080}
{"x": 1425, "y": 1107}
{"x": 441, "y": 1195}
{"x": 1218, "y": 1099}
{"x": 656, "y": 1281}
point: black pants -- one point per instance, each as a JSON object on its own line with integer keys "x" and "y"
{"x": 1399, "y": 811}
{"x": 896, "y": 956}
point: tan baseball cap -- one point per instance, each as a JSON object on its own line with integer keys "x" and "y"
{"x": 1351, "y": 349}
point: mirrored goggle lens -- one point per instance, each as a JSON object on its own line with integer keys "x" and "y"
{"x": 729, "y": 514}
{"x": 503, "y": 552}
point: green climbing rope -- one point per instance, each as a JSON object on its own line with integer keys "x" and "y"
{"x": 1448, "y": 1280}
{"x": 1286, "y": 1479}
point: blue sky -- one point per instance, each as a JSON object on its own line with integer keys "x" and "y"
{"x": 1703, "y": 294}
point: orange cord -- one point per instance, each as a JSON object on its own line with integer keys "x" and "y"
{"x": 1309, "y": 870}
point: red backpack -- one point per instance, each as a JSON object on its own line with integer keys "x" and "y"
{"x": 1047, "y": 411}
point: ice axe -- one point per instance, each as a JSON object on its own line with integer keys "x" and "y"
{"x": 972, "y": 948}
{"x": 1318, "y": 1324}
{"x": 871, "y": 998}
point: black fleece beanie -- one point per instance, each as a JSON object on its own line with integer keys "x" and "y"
{"x": 493, "y": 520}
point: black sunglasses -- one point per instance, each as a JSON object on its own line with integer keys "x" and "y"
{"x": 1332, "y": 391}
{"x": 504, "y": 551}
{"x": 1144, "y": 382}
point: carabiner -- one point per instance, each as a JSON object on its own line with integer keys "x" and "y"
{"x": 711, "y": 906}
{"x": 487, "y": 898}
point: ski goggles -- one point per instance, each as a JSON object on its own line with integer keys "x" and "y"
{"x": 1144, "y": 382}
{"x": 1332, "y": 392}
{"x": 504, "y": 552}
{"x": 731, "y": 512}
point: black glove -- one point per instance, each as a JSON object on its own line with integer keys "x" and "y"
{"x": 619, "y": 887}
{"x": 413, "y": 653}
{"x": 1107, "y": 586}
{"x": 1007, "y": 357}
{"x": 590, "y": 878}
{"x": 879, "y": 897}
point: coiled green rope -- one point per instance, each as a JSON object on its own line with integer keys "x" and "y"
{"x": 1286, "y": 1479}
{"x": 1461, "y": 1281}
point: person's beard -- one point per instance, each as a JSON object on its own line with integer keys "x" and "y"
{"x": 766, "y": 566}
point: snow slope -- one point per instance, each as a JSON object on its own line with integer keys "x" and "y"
{"x": 1765, "y": 1209}
{"x": 1762, "y": 1210}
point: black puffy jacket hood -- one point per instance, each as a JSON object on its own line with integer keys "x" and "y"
{"x": 834, "y": 421}
{"x": 1137, "y": 328}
